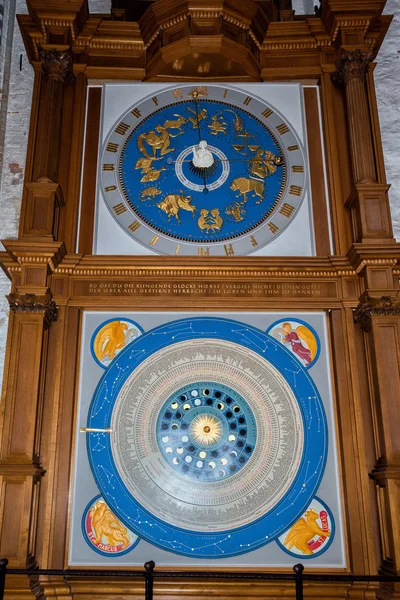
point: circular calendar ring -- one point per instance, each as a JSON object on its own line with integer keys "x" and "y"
{"x": 155, "y": 468}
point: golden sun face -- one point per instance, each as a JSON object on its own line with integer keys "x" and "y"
{"x": 206, "y": 430}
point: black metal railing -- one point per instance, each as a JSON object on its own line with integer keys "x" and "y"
{"x": 298, "y": 577}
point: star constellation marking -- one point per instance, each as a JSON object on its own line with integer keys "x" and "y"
{"x": 262, "y": 344}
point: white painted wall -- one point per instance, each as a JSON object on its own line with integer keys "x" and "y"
{"x": 15, "y": 101}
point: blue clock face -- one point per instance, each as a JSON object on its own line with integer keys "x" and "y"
{"x": 208, "y": 438}
{"x": 203, "y": 171}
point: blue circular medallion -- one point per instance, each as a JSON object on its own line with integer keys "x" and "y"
{"x": 241, "y": 395}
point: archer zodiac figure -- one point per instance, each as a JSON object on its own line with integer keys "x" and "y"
{"x": 173, "y": 203}
{"x": 105, "y": 525}
{"x": 197, "y": 118}
{"x": 303, "y": 531}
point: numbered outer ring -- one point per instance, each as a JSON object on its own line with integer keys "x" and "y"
{"x": 197, "y": 544}
{"x": 289, "y": 142}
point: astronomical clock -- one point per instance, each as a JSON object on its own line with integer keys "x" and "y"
{"x": 202, "y": 360}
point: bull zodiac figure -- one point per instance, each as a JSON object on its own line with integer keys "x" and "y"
{"x": 246, "y": 186}
{"x": 303, "y": 531}
{"x": 106, "y": 525}
{"x": 173, "y": 203}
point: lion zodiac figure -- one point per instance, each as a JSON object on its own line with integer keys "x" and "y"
{"x": 303, "y": 531}
{"x": 246, "y": 186}
{"x": 106, "y": 525}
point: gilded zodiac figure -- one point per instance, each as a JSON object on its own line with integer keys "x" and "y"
{"x": 106, "y": 525}
{"x": 159, "y": 142}
{"x": 149, "y": 193}
{"x": 235, "y": 210}
{"x": 245, "y": 186}
{"x": 175, "y": 124}
{"x": 217, "y": 126}
{"x": 110, "y": 339}
{"x": 196, "y": 119}
{"x": 303, "y": 531}
{"x": 210, "y": 220}
{"x": 262, "y": 166}
{"x": 173, "y": 203}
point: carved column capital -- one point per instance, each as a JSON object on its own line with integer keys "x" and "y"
{"x": 57, "y": 65}
{"x": 371, "y": 307}
{"x": 353, "y": 64}
{"x": 31, "y": 303}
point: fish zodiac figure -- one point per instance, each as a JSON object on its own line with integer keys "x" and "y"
{"x": 246, "y": 186}
{"x": 110, "y": 339}
{"x": 210, "y": 220}
{"x": 173, "y": 203}
{"x": 303, "y": 531}
{"x": 106, "y": 525}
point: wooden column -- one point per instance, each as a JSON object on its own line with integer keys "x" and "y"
{"x": 380, "y": 320}
{"x": 368, "y": 203}
{"x": 44, "y": 195}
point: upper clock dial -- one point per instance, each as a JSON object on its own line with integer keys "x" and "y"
{"x": 208, "y": 171}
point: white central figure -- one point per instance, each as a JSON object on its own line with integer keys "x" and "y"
{"x": 202, "y": 157}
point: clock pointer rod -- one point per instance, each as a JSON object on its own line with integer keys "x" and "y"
{"x": 95, "y": 430}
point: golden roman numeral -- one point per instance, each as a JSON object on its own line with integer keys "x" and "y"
{"x": 136, "y": 112}
{"x": 134, "y": 226}
{"x": 108, "y": 167}
{"x": 225, "y": 93}
{"x": 286, "y": 210}
{"x": 273, "y": 227}
{"x": 110, "y": 188}
{"x": 247, "y": 101}
{"x": 155, "y": 100}
{"x": 267, "y": 113}
{"x": 295, "y": 190}
{"x": 112, "y": 147}
{"x": 203, "y": 251}
{"x": 154, "y": 240}
{"x": 119, "y": 209}
{"x": 178, "y": 247}
{"x": 292, "y": 148}
{"x": 121, "y": 128}
{"x": 253, "y": 241}
{"x": 177, "y": 94}
{"x": 298, "y": 169}
{"x": 229, "y": 251}
{"x": 282, "y": 129}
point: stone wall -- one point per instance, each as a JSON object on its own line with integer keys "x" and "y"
{"x": 16, "y": 80}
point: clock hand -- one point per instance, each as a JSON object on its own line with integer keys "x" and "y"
{"x": 195, "y": 96}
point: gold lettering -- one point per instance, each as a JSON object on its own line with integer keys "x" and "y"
{"x": 295, "y": 190}
{"x": 247, "y": 101}
{"x": 155, "y": 100}
{"x": 177, "y": 249}
{"x": 286, "y": 210}
{"x": 110, "y": 188}
{"x": 267, "y": 113}
{"x": 253, "y": 241}
{"x": 134, "y": 226}
{"x": 154, "y": 240}
{"x": 292, "y": 148}
{"x": 177, "y": 94}
{"x": 229, "y": 251}
{"x": 298, "y": 169}
{"x": 282, "y": 129}
{"x": 136, "y": 112}
{"x": 108, "y": 167}
{"x": 121, "y": 128}
{"x": 112, "y": 147}
{"x": 273, "y": 227}
{"x": 203, "y": 251}
{"x": 225, "y": 93}
{"x": 119, "y": 209}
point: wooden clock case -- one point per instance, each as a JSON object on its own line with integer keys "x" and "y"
{"x": 53, "y": 272}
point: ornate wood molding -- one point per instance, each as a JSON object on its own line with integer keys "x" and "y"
{"x": 375, "y": 307}
{"x": 31, "y": 303}
{"x": 57, "y": 65}
{"x": 354, "y": 63}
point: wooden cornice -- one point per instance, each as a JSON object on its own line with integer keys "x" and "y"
{"x": 181, "y": 38}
